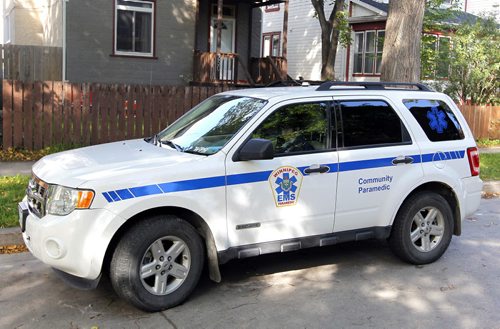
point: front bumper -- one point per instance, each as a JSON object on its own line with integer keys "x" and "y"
{"x": 75, "y": 244}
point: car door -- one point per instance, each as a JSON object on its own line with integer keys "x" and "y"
{"x": 293, "y": 194}
{"x": 378, "y": 163}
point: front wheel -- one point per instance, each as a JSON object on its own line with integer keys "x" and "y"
{"x": 157, "y": 263}
{"x": 422, "y": 229}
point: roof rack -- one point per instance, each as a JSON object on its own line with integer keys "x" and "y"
{"x": 373, "y": 86}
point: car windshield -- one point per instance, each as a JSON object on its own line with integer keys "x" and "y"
{"x": 210, "y": 125}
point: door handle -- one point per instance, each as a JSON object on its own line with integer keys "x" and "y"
{"x": 401, "y": 159}
{"x": 318, "y": 169}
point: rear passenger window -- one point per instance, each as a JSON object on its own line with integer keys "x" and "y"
{"x": 370, "y": 122}
{"x": 436, "y": 119}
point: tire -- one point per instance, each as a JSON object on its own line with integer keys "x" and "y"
{"x": 418, "y": 241}
{"x": 169, "y": 254}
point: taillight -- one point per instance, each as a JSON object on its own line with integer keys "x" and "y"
{"x": 473, "y": 155}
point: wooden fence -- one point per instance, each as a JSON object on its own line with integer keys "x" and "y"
{"x": 32, "y": 63}
{"x": 41, "y": 114}
{"x": 484, "y": 121}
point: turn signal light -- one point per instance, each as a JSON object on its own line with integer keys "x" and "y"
{"x": 84, "y": 199}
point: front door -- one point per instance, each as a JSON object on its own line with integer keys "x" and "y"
{"x": 225, "y": 64}
{"x": 292, "y": 195}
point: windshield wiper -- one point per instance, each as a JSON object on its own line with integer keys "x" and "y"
{"x": 170, "y": 143}
{"x": 195, "y": 152}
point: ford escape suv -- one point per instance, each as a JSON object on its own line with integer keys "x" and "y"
{"x": 256, "y": 171}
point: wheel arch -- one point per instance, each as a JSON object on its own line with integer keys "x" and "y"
{"x": 445, "y": 191}
{"x": 189, "y": 216}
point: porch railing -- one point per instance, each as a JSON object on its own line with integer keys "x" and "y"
{"x": 225, "y": 68}
{"x": 213, "y": 67}
{"x": 266, "y": 70}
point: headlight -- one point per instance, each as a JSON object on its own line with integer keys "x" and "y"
{"x": 63, "y": 200}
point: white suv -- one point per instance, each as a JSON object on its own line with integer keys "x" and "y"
{"x": 256, "y": 171}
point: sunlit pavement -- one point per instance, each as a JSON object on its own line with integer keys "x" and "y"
{"x": 351, "y": 285}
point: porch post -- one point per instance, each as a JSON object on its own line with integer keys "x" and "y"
{"x": 219, "y": 25}
{"x": 285, "y": 40}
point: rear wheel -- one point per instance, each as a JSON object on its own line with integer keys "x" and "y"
{"x": 422, "y": 229}
{"x": 157, "y": 263}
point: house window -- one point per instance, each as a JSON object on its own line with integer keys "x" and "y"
{"x": 435, "y": 56}
{"x": 368, "y": 47}
{"x": 274, "y": 7}
{"x": 271, "y": 44}
{"x": 134, "y": 27}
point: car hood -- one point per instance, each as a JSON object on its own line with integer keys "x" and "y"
{"x": 106, "y": 161}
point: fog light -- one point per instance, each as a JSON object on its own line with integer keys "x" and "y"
{"x": 54, "y": 248}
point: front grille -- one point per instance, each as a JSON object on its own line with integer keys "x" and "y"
{"x": 37, "y": 193}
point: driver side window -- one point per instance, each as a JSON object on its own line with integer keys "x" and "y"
{"x": 296, "y": 128}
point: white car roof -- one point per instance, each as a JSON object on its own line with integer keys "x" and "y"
{"x": 283, "y": 93}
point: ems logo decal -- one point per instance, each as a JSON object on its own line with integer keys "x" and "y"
{"x": 285, "y": 185}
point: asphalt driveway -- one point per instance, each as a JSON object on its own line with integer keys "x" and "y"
{"x": 345, "y": 286}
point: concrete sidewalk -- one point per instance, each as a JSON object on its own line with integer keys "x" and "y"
{"x": 12, "y": 168}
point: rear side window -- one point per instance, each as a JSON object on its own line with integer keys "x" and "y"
{"x": 436, "y": 119}
{"x": 368, "y": 123}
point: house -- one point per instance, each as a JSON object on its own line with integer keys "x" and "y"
{"x": 146, "y": 41}
{"x": 361, "y": 60}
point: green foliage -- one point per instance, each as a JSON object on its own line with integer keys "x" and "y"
{"x": 344, "y": 28}
{"x": 490, "y": 166}
{"x": 17, "y": 154}
{"x": 475, "y": 63}
{"x": 11, "y": 192}
{"x": 482, "y": 142}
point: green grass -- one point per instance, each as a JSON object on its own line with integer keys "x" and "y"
{"x": 488, "y": 142}
{"x": 490, "y": 166}
{"x": 11, "y": 192}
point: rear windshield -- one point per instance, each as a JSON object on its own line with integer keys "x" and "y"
{"x": 436, "y": 119}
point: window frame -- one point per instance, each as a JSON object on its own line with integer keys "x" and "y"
{"x": 331, "y": 142}
{"x": 375, "y": 52}
{"x": 122, "y": 53}
{"x": 271, "y": 35}
{"x": 339, "y": 129}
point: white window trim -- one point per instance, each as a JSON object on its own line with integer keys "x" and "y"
{"x": 138, "y": 9}
{"x": 362, "y": 53}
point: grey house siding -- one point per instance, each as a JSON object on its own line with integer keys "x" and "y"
{"x": 89, "y": 44}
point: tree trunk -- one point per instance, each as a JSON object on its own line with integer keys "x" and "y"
{"x": 329, "y": 36}
{"x": 403, "y": 32}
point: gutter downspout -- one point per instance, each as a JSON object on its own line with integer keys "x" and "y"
{"x": 64, "y": 40}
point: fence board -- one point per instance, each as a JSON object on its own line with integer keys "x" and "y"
{"x": 18, "y": 114}
{"x": 38, "y": 111}
{"x": 7, "y": 113}
{"x": 76, "y": 108}
{"x": 58, "y": 124}
{"x": 47, "y": 121}
{"x": 94, "y": 114}
{"x": 67, "y": 114}
{"x": 28, "y": 116}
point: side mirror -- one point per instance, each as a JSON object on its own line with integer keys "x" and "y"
{"x": 255, "y": 149}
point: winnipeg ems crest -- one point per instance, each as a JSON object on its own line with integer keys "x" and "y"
{"x": 285, "y": 184}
